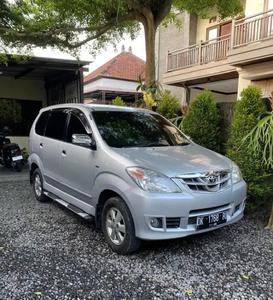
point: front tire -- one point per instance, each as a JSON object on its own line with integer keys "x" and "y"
{"x": 38, "y": 186}
{"x": 118, "y": 227}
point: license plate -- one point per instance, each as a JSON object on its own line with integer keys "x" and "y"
{"x": 15, "y": 158}
{"x": 211, "y": 220}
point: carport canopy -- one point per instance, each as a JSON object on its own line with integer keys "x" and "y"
{"x": 41, "y": 68}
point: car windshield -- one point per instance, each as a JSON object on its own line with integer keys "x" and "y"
{"x": 122, "y": 129}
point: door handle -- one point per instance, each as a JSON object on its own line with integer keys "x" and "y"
{"x": 64, "y": 153}
{"x": 41, "y": 145}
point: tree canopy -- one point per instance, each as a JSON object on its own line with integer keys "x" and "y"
{"x": 69, "y": 24}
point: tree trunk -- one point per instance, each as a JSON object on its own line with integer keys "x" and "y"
{"x": 270, "y": 222}
{"x": 150, "y": 31}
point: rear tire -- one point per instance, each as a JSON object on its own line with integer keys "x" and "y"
{"x": 118, "y": 227}
{"x": 38, "y": 186}
{"x": 18, "y": 167}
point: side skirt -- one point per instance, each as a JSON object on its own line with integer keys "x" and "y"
{"x": 73, "y": 208}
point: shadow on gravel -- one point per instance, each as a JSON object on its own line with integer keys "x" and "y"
{"x": 186, "y": 244}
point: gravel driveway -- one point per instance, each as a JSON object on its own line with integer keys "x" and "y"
{"x": 47, "y": 252}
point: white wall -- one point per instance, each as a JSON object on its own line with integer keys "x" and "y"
{"x": 22, "y": 89}
{"x": 253, "y": 7}
{"x": 123, "y": 84}
{"x": 217, "y": 97}
{"x": 112, "y": 83}
{"x": 22, "y": 141}
{"x": 89, "y": 85}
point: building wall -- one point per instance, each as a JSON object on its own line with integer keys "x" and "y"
{"x": 94, "y": 83}
{"x": 22, "y": 141}
{"x": 112, "y": 83}
{"x": 260, "y": 74}
{"x": 253, "y": 7}
{"x": 123, "y": 84}
{"x": 172, "y": 39}
{"x": 22, "y": 89}
{"x": 203, "y": 24}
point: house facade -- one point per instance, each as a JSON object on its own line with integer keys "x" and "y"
{"x": 116, "y": 78}
{"x": 224, "y": 56}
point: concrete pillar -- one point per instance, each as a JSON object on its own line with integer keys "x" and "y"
{"x": 242, "y": 83}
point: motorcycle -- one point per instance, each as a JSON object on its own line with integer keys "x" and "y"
{"x": 10, "y": 153}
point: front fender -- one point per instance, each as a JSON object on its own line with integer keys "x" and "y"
{"x": 109, "y": 181}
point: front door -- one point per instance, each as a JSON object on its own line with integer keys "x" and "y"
{"x": 77, "y": 164}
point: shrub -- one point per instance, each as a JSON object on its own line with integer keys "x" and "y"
{"x": 118, "y": 102}
{"x": 10, "y": 112}
{"x": 169, "y": 106}
{"x": 247, "y": 113}
{"x": 202, "y": 123}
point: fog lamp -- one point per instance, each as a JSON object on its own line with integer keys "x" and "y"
{"x": 156, "y": 222}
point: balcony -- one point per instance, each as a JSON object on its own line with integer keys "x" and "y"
{"x": 251, "y": 40}
{"x": 198, "y": 62}
{"x": 199, "y": 54}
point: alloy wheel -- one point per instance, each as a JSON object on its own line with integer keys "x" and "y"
{"x": 115, "y": 226}
{"x": 38, "y": 185}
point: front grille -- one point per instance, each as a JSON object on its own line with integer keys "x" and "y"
{"x": 207, "y": 182}
{"x": 209, "y": 210}
{"x": 172, "y": 222}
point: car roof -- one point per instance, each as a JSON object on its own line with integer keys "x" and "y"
{"x": 95, "y": 107}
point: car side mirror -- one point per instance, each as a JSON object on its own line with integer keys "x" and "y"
{"x": 83, "y": 140}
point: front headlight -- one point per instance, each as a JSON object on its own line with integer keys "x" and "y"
{"x": 151, "y": 181}
{"x": 236, "y": 173}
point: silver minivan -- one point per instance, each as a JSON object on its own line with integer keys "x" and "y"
{"x": 133, "y": 172}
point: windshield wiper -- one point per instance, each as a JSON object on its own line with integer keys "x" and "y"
{"x": 146, "y": 145}
{"x": 184, "y": 144}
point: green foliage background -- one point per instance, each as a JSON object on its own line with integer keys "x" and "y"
{"x": 168, "y": 106}
{"x": 248, "y": 111}
{"x": 10, "y": 112}
{"x": 118, "y": 102}
{"x": 202, "y": 124}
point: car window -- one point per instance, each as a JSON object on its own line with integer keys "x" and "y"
{"x": 75, "y": 126}
{"x": 41, "y": 123}
{"x": 55, "y": 125}
{"x": 137, "y": 129}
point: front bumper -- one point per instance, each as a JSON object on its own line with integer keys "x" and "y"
{"x": 178, "y": 212}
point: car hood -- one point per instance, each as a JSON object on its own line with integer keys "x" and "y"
{"x": 176, "y": 160}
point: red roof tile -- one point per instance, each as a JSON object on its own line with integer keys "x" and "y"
{"x": 123, "y": 66}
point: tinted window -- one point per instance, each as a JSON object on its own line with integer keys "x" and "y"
{"x": 55, "y": 125}
{"x": 75, "y": 126}
{"x": 139, "y": 129}
{"x": 41, "y": 123}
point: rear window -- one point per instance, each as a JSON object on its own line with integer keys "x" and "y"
{"x": 41, "y": 123}
{"x": 55, "y": 125}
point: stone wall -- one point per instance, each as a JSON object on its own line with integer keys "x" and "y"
{"x": 172, "y": 39}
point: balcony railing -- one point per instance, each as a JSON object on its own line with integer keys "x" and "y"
{"x": 244, "y": 31}
{"x": 252, "y": 29}
{"x": 199, "y": 54}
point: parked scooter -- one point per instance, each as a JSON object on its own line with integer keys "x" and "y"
{"x": 10, "y": 153}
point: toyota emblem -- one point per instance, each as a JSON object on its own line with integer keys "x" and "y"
{"x": 212, "y": 179}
